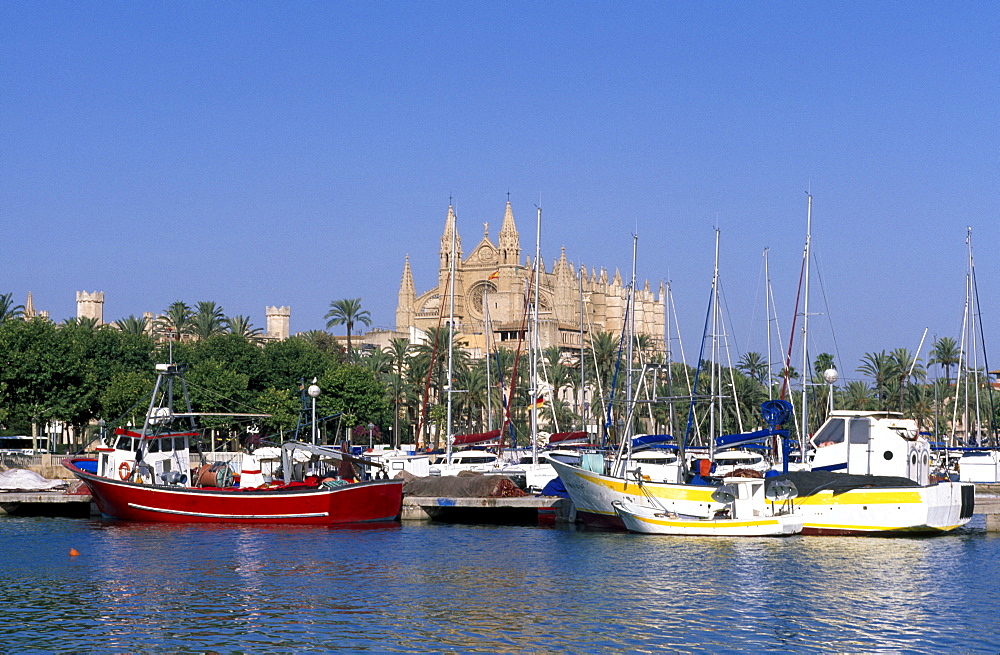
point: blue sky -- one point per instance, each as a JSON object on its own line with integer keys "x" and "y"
{"x": 274, "y": 153}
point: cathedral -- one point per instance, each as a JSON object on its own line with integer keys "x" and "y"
{"x": 491, "y": 285}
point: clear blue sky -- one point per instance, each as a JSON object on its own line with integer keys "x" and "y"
{"x": 292, "y": 153}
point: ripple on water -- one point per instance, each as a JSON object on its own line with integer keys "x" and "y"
{"x": 480, "y": 588}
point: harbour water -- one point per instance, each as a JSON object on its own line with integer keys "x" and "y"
{"x": 434, "y": 587}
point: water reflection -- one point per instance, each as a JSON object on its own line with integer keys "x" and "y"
{"x": 469, "y": 588}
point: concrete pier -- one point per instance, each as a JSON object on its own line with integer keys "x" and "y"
{"x": 521, "y": 510}
{"x": 45, "y": 503}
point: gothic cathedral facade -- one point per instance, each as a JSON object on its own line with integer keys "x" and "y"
{"x": 491, "y": 287}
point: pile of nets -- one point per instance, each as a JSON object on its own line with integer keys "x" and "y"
{"x": 25, "y": 480}
{"x": 463, "y": 485}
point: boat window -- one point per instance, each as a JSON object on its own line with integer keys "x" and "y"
{"x": 154, "y": 445}
{"x": 179, "y": 443}
{"x": 859, "y": 430}
{"x": 831, "y": 433}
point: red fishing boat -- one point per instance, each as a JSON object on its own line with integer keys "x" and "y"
{"x": 148, "y": 475}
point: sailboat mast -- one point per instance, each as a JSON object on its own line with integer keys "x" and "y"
{"x": 672, "y": 415}
{"x": 715, "y": 379}
{"x": 583, "y": 387}
{"x": 804, "y": 433}
{"x": 630, "y": 312}
{"x": 451, "y": 334}
{"x": 486, "y": 339}
{"x": 535, "y": 343}
{"x": 767, "y": 321}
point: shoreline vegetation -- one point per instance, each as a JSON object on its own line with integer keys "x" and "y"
{"x": 77, "y": 373}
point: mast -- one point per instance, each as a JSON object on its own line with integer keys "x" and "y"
{"x": 672, "y": 413}
{"x": 451, "y": 336}
{"x": 767, "y": 320}
{"x": 583, "y": 387}
{"x": 489, "y": 381}
{"x": 804, "y": 434}
{"x": 715, "y": 380}
{"x": 535, "y": 343}
{"x": 630, "y": 311}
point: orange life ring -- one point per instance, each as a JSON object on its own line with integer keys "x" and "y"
{"x": 123, "y": 470}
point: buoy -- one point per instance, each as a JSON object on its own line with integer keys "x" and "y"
{"x": 73, "y": 552}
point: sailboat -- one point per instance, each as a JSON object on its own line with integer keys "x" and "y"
{"x": 595, "y": 486}
{"x": 870, "y": 471}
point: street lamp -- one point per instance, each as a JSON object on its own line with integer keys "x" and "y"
{"x": 371, "y": 426}
{"x": 831, "y": 375}
{"x": 313, "y": 392}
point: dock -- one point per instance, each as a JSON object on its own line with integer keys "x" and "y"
{"x": 46, "y": 503}
{"x": 519, "y": 510}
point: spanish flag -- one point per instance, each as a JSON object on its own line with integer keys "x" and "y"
{"x": 495, "y": 275}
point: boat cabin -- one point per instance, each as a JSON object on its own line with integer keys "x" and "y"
{"x": 872, "y": 443}
{"x": 164, "y": 458}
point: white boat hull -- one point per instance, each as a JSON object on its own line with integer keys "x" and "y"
{"x": 889, "y": 510}
{"x": 593, "y": 495}
{"x": 650, "y": 520}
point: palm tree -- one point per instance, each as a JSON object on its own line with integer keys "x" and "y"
{"x": 209, "y": 320}
{"x": 242, "y": 326}
{"x": 88, "y": 322}
{"x": 905, "y": 366}
{"x": 135, "y": 325}
{"x": 176, "y": 320}
{"x": 753, "y": 364}
{"x": 857, "y": 395}
{"x": 347, "y": 312}
{"x": 880, "y": 368}
{"x": 399, "y": 354}
{"x": 324, "y": 341}
{"x": 945, "y": 353}
{"x": 8, "y": 310}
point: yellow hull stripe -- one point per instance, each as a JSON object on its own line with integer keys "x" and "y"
{"x": 862, "y": 497}
{"x": 659, "y": 490}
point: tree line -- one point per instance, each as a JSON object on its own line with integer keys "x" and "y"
{"x": 78, "y": 372}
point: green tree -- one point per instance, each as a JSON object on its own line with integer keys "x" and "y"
{"x": 347, "y": 312}
{"x": 241, "y": 326}
{"x": 946, "y": 353}
{"x": 857, "y": 395}
{"x": 209, "y": 320}
{"x": 353, "y": 392}
{"x": 754, "y": 365}
{"x": 8, "y": 310}
{"x": 176, "y": 320}
{"x": 133, "y": 324}
{"x": 880, "y": 368}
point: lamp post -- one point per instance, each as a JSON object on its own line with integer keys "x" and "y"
{"x": 313, "y": 392}
{"x": 831, "y": 375}
{"x": 371, "y": 426}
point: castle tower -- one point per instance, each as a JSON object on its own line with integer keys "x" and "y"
{"x": 29, "y": 308}
{"x": 405, "y": 307}
{"x": 277, "y": 322}
{"x": 90, "y": 305}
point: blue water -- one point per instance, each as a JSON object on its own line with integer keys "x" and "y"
{"x": 433, "y": 587}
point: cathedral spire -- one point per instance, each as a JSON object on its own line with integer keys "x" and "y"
{"x": 407, "y": 298}
{"x": 509, "y": 242}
